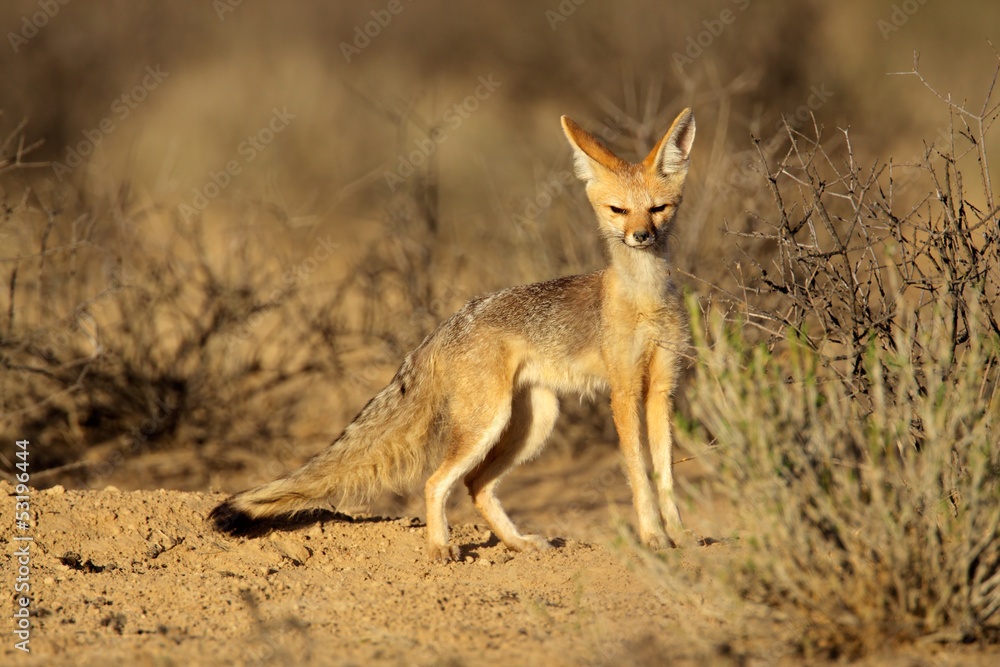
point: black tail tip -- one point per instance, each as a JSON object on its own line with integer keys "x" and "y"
{"x": 227, "y": 519}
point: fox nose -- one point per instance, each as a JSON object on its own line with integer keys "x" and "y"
{"x": 642, "y": 236}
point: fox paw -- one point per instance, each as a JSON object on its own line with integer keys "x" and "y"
{"x": 657, "y": 542}
{"x": 685, "y": 538}
{"x": 443, "y": 553}
{"x": 531, "y": 543}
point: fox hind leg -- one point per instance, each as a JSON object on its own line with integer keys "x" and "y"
{"x": 469, "y": 442}
{"x": 533, "y": 414}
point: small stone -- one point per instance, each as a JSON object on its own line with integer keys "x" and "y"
{"x": 291, "y": 550}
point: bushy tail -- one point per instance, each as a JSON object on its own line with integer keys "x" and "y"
{"x": 387, "y": 446}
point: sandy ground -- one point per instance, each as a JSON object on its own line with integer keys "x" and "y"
{"x": 139, "y": 578}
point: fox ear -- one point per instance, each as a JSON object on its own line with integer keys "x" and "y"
{"x": 670, "y": 155}
{"x": 590, "y": 156}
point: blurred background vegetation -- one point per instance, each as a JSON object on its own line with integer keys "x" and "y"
{"x": 206, "y": 246}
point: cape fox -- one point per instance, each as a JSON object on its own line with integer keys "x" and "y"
{"x": 480, "y": 394}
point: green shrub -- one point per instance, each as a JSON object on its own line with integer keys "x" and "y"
{"x": 866, "y": 524}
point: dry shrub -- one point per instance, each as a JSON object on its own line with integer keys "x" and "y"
{"x": 858, "y": 444}
{"x": 121, "y": 330}
{"x": 853, "y": 249}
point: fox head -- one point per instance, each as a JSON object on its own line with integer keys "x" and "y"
{"x": 635, "y": 203}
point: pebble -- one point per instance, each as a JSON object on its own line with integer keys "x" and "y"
{"x": 290, "y": 549}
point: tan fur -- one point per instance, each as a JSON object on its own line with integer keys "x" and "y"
{"x": 479, "y": 396}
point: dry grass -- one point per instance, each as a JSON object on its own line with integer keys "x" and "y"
{"x": 862, "y": 526}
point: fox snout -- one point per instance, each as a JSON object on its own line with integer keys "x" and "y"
{"x": 641, "y": 237}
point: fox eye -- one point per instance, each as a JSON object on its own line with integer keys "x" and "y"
{"x": 657, "y": 209}
{"x": 619, "y": 211}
